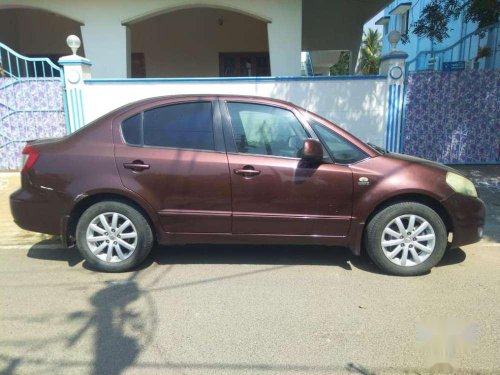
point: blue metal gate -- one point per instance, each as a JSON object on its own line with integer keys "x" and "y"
{"x": 32, "y": 104}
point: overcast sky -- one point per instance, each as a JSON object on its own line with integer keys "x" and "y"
{"x": 371, "y": 24}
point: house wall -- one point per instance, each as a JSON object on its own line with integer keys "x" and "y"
{"x": 187, "y": 43}
{"x": 359, "y": 105}
{"x": 106, "y": 34}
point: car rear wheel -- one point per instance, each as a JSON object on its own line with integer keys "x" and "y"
{"x": 113, "y": 236}
{"x": 406, "y": 239}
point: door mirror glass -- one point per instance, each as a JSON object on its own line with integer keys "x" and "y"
{"x": 312, "y": 151}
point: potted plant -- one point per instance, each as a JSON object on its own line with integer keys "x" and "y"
{"x": 482, "y": 52}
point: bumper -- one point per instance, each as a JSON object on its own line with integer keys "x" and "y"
{"x": 37, "y": 211}
{"x": 467, "y": 215}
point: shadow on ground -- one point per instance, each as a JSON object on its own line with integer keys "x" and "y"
{"x": 275, "y": 255}
{"x": 123, "y": 317}
{"x": 118, "y": 326}
{"x": 53, "y": 250}
{"x": 239, "y": 254}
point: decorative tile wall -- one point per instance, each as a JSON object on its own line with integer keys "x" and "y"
{"x": 29, "y": 109}
{"x": 453, "y": 117}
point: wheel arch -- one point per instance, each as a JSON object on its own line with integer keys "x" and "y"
{"x": 426, "y": 200}
{"x": 89, "y": 200}
{"x": 417, "y": 198}
{"x": 358, "y": 238}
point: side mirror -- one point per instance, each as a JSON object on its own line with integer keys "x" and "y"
{"x": 312, "y": 151}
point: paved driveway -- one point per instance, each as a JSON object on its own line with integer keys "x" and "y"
{"x": 247, "y": 309}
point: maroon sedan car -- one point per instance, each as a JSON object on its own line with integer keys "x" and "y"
{"x": 235, "y": 169}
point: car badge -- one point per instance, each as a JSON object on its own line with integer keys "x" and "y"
{"x": 363, "y": 181}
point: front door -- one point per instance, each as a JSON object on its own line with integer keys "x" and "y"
{"x": 172, "y": 157}
{"x": 273, "y": 190}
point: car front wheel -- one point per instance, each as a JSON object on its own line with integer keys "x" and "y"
{"x": 406, "y": 239}
{"x": 113, "y": 236}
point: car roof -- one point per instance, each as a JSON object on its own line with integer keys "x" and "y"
{"x": 164, "y": 99}
{"x": 189, "y": 97}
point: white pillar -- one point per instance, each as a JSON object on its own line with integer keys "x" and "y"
{"x": 106, "y": 45}
{"x": 285, "y": 41}
{"x": 76, "y": 69}
{"x": 393, "y": 65}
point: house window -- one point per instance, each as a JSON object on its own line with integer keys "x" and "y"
{"x": 138, "y": 65}
{"x": 405, "y": 21}
{"x": 244, "y": 64}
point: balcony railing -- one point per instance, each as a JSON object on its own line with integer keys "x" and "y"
{"x": 466, "y": 49}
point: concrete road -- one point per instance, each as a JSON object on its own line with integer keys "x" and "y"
{"x": 247, "y": 309}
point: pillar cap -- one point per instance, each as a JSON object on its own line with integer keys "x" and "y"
{"x": 73, "y": 43}
{"x": 394, "y": 55}
{"x": 74, "y": 60}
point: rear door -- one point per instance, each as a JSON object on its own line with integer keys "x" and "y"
{"x": 273, "y": 190}
{"x": 172, "y": 154}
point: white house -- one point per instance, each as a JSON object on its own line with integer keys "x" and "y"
{"x": 187, "y": 38}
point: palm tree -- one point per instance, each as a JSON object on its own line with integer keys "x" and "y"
{"x": 341, "y": 67}
{"x": 370, "y": 52}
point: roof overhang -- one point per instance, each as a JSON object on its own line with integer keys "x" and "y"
{"x": 383, "y": 21}
{"x": 400, "y": 9}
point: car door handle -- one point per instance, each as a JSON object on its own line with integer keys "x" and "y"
{"x": 246, "y": 172}
{"x": 136, "y": 166}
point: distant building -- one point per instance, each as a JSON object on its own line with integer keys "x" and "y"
{"x": 460, "y": 48}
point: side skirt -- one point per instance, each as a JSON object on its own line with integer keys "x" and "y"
{"x": 249, "y": 239}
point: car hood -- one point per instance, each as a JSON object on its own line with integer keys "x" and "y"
{"x": 420, "y": 161}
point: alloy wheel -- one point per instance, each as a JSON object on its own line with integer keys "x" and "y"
{"x": 111, "y": 237}
{"x": 408, "y": 240}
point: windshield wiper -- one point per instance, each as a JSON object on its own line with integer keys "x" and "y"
{"x": 377, "y": 148}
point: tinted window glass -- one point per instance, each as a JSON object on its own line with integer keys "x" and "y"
{"x": 341, "y": 150}
{"x": 131, "y": 130}
{"x": 266, "y": 130}
{"x": 187, "y": 125}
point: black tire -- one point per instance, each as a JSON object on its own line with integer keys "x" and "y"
{"x": 145, "y": 239}
{"x": 375, "y": 229}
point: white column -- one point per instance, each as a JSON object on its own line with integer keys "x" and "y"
{"x": 285, "y": 40}
{"x": 105, "y": 43}
{"x": 76, "y": 69}
{"x": 393, "y": 65}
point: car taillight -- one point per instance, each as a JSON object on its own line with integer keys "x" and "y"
{"x": 32, "y": 157}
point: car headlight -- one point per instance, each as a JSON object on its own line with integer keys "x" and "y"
{"x": 461, "y": 184}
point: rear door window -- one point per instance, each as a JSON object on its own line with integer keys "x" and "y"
{"x": 184, "y": 126}
{"x": 131, "y": 130}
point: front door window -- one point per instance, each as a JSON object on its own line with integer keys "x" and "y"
{"x": 266, "y": 130}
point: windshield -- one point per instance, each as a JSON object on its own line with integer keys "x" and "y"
{"x": 342, "y": 151}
